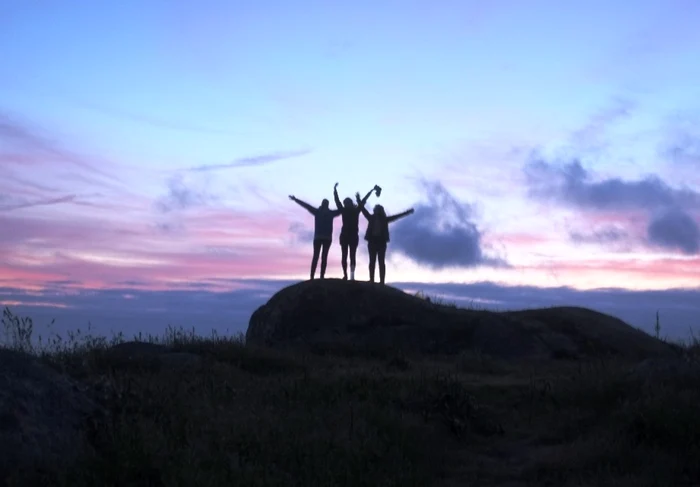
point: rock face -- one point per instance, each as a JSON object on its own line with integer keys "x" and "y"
{"x": 372, "y": 316}
{"x": 42, "y": 414}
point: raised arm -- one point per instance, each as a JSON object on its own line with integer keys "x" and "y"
{"x": 361, "y": 206}
{"x": 303, "y": 204}
{"x": 361, "y": 203}
{"x": 393, "y": 218}
{"x": 338, "y": 203}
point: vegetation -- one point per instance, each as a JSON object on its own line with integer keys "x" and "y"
{"x": 257, "y": 417}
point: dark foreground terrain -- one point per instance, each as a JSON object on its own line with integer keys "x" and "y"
{"x": 193, "y": 411}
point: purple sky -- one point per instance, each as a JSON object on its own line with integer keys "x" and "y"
{"x": 147, "y": 147}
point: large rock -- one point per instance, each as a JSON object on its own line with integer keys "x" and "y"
{"x": 368, "y": 315}
{"x": 42, "y": 416}
{"x": 594, "y": 333}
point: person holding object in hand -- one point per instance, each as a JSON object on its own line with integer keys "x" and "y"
{"x": 350, "y": 232}
{"x": 377, "y": 236}
{"x": 323, "y": 231}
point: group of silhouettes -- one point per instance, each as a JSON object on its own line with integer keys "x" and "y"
{"x": 376, "y": 235}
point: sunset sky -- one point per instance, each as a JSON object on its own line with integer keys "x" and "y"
{"x": 147, "y": 148}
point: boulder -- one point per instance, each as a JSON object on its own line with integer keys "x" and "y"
{"x": 42, "y": 416}
{"x": 333, "y": 312}
{"x": 593, "y": 333}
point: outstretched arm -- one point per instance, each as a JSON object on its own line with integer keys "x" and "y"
{"x": 303, "y": 204}
{"x": 338, "y": 204}
{"x": 393, "y": 218}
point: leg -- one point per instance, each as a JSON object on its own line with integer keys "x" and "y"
{"x": 344, "y": 256}
{"x": 324, "y": 256}
{"x": 314, "y": 259}
{"x": 353, "y": 253}
{"x": 372, "y": 260}
{"x": 381, "y": 253}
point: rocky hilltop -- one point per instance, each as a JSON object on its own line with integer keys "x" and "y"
{"x": 370, "y": 316}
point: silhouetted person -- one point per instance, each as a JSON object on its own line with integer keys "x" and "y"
{"x": 350, "y": 233}
{"x": 377, "y": 236}
{"x": 323, "y": 232}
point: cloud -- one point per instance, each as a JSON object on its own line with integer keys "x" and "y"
{"x": 103, "y": 249}
{"x": 181, "y": 197}
{"x": 441, "y": 234}
{"x": 675, "y": 230}
{"x": 632, "y": 271}
{"x": 23, "y": 144}
{"x": 683, "y": 148}
{"x": 593, "y": 134}
{"x": 134, "y": 311}
{"x": 147, "y": 119}
{"x": 519, "y": 239}
{"x": 606, "y": 235}
{"x": 259, "y": 160}
{"x": 301, "y": 232}
{"x": 20, "y": 183}
{"x": 158, "y": 269}
{"x": 667, "y": 210}
{"x": 18, "y": 136}
{"x": 39, "y": 171}
{"x": 570, "y": 184}
{"x": 43, "y": 202}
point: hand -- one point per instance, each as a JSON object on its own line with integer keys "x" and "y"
{"x": 357, "y": 196}
{"x": 411, "y": 211}
{"x": 291, "y": 197}
{"x": 336, "y": 185}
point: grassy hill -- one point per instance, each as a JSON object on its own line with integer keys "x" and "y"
{"x": 252, "y": 416}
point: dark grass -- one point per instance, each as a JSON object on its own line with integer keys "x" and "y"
{"x": 339, "y": 417}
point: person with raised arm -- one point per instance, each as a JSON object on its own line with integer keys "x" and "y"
{"x": 377, "y": 236}
{"x": 323, "y": 231}
{"x": 350, "y": 232}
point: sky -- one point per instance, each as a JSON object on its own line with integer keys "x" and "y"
{"x": 147, "y": 149}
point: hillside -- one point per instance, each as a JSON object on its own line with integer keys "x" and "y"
{"x": 187, "y": 410}
{"x": 383, "y": 319}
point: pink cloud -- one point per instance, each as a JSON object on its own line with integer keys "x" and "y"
{"x": 38, "y": 169}
{"x": 518, "y": 239}
{"x": 115, "y": 235}
{"x": 13, "y": 274}
{"x": 43, "y": 304}
{"x": 102, "y": 252}
{"x": 633, "y": 273}
{"x": 216, "y": 245}
{"x": 175, "y": 267}
{"x": 26, "y": 137}
{"x": 635, "y": 218}
{"x": 38, "y": 202}
{"x": 223, "y": 225}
